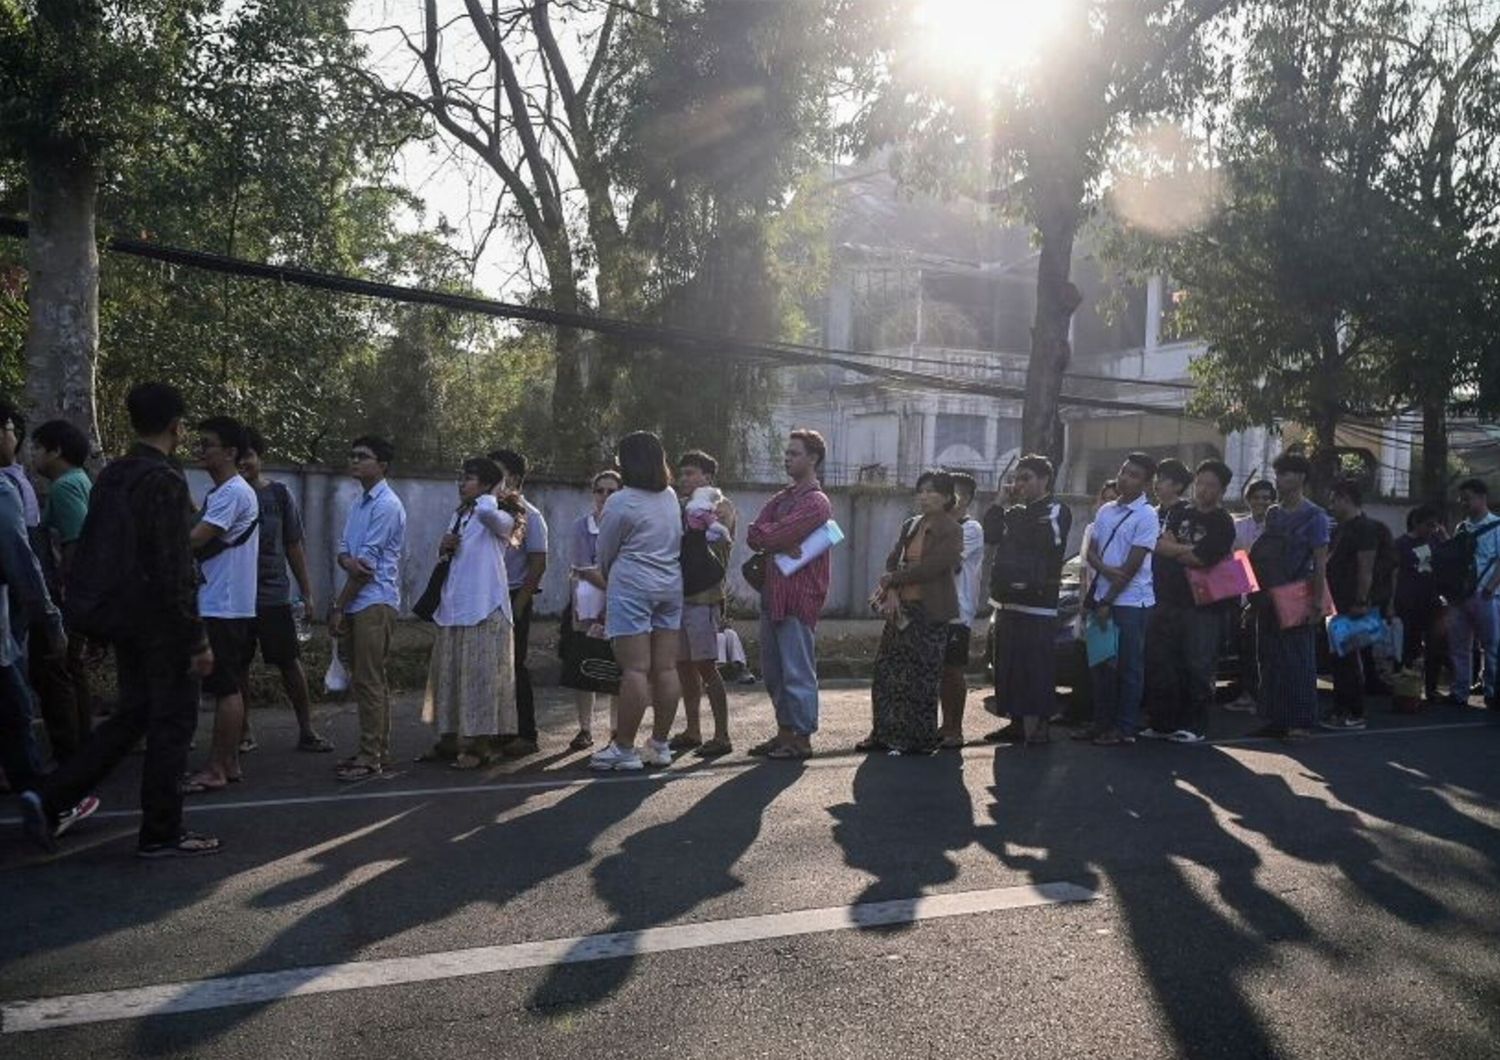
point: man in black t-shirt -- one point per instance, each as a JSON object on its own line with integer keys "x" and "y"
{"x": 1359, "y": 583}
{"x": 1182, "y": 645}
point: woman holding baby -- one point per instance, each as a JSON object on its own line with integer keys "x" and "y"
{"x": 639, "y": 554}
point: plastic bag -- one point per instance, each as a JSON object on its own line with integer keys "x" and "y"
{"x": 337, "y": 677}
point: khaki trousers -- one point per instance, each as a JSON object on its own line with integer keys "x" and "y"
{"x": 370, "y": 632}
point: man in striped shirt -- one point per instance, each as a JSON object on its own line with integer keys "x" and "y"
{"x": 790, "y": 604}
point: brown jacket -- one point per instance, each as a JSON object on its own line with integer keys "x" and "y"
{"x": 942, "y": 552}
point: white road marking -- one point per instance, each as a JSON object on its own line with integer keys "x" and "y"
{"x": 834, "y": 760}
{"x": 36, "y": 1014}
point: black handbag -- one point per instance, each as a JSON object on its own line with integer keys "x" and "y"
{"x": 588, "y": 663}
{"x": 754, "y": 571}
{"x": 432, "y": 596}
{"x": 701, "y": 568}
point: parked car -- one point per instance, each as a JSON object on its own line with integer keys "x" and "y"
{"x": 1072, "y": 658}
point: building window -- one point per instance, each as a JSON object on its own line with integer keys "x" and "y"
{"x": 954, "y": 429}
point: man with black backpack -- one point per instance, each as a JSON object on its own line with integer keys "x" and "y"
{"x": 1361, "y": 578}
{"x": 133, "y": 584}
{"x": 1473, "y": 607}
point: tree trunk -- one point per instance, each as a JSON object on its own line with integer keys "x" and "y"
{"x": 62, "y": 260}
{"x": 1056, "y": 301}
{"x": 1325, "y": 457}
{"x": 1434, "y": 482}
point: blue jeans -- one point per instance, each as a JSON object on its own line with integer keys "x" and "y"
{"x": 1120, "y": 684}
{"x": 788, "y": 664}
{"x": 1475, "y": 618}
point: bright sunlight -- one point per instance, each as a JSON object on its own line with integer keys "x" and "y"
{"x": 988, "y": 36}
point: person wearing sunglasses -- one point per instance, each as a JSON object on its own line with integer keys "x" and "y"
{"x": 588, "y": 600}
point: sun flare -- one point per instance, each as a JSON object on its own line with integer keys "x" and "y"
{"x": 988, "y": 36}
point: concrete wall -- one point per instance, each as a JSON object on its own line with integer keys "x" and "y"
{"x": 871, "y": 518}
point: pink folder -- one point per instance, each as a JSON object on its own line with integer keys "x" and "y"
{"x": 1223, "y": 581}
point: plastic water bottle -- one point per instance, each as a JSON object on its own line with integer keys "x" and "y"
{"x": 299, "y": 617}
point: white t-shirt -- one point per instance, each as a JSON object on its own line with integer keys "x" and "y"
{"x": 1118, "y": 528}
{"x": 230, "y": 578}
{"x": 966, "y": 579}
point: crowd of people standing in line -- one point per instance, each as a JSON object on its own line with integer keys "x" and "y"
{"x": 188, "y": 594}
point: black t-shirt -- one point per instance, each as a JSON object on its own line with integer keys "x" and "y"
{"x": 1210, "y": 533}
{"x": 1350, "y": 538}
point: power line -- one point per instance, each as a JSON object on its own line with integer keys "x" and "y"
{"x": 643, "y": 334}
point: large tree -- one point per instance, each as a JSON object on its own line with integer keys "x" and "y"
{"x": 77, "y": 79}
{"x": 1038, "y": 137}
{"x": 629, "y": 142}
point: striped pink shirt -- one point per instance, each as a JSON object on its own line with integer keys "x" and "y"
{"x": 784, "y": 523}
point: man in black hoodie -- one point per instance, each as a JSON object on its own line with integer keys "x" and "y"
{"x": 1031, "y": 541}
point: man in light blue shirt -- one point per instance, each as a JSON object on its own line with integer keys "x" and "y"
{"x": 364, "y": 615}
{"x": 1125, "y": 534}
{"x": 1478, "y": 617}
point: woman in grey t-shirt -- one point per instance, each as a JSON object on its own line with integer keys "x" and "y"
{"x": 639, "y": 550}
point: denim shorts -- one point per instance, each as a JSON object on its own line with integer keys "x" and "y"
{"x": 630, "y": 614}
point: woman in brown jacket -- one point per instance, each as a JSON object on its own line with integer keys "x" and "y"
{"x": 918, "y": 597}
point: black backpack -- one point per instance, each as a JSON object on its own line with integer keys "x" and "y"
{"x": 1277, "y": 559}
{"x": 1453, "y": 563}
{"x": 106, "y": 585}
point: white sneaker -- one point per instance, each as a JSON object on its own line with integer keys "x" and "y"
{"x": 656, "y": 754}
{"x": 1186, "y": 736}
{"x": 1149, "y": 733}
{"x": 84, "y": 810}
{"x": 615, "y": 758}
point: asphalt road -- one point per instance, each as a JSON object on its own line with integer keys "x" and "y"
{"x": 1332, "y": 898}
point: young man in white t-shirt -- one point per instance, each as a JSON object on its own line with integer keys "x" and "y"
{"x": 955, "y": 686}
{"x": 226, "y": 542}
{"x": 1125, "y": 535}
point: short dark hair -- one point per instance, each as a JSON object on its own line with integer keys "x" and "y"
{"x": 1174, "y": 470}
{"x": 229, "y": 431}
{"x": 701, "y": 460}
{"x": 1142, "y": 461}
{"x": 254, "y": 441}
{"x": 643, "y": 462}
{"x": 1295, "y": 463}
{"x": 1420, "y": 514}
{"x": 813, "y": 442}
{"x": 608, "y": 472}
{"x": 1218, "y": 469}
{"x": 384, "y": 451}
{"x": 1261, "y": 485}
{"x": 941, "y": 482}
{"x": 1037, "y": 465}
{"x": 513, "y": 462}
{"x": 1475, "y": 486}
{"x": 1348, "y": 489}
{"x": 66, "y": 440}
{"x": 485, "y": 470}
{"x": 964, "y": 483}
{"x": 153, "y": 407}
{"x": 17, "y": 419}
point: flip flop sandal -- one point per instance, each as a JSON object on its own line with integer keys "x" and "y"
{"x": 715, "y": 749}
{"x": 433, "y": 754}
{"x": 582, "y": 742}
{"x": 248, "y": 744}
{"x": 683, "y": 742}
{"x": 788, "y": 751}
{"x": 357, "y": 772}
{"x": 192, "y": 786}
{"x": 869, "y": 745}
{"x": 761, "y": 750}
{"x": 468, "y": 761}
{"x": 317, "y": 745}
{"x": 952, "y": 743}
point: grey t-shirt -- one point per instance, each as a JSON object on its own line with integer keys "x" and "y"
{"x": 280, "y": 528}
{"x": 640, "y": 542}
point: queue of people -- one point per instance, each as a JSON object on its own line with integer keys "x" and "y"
{"x": 187, "y": 595}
